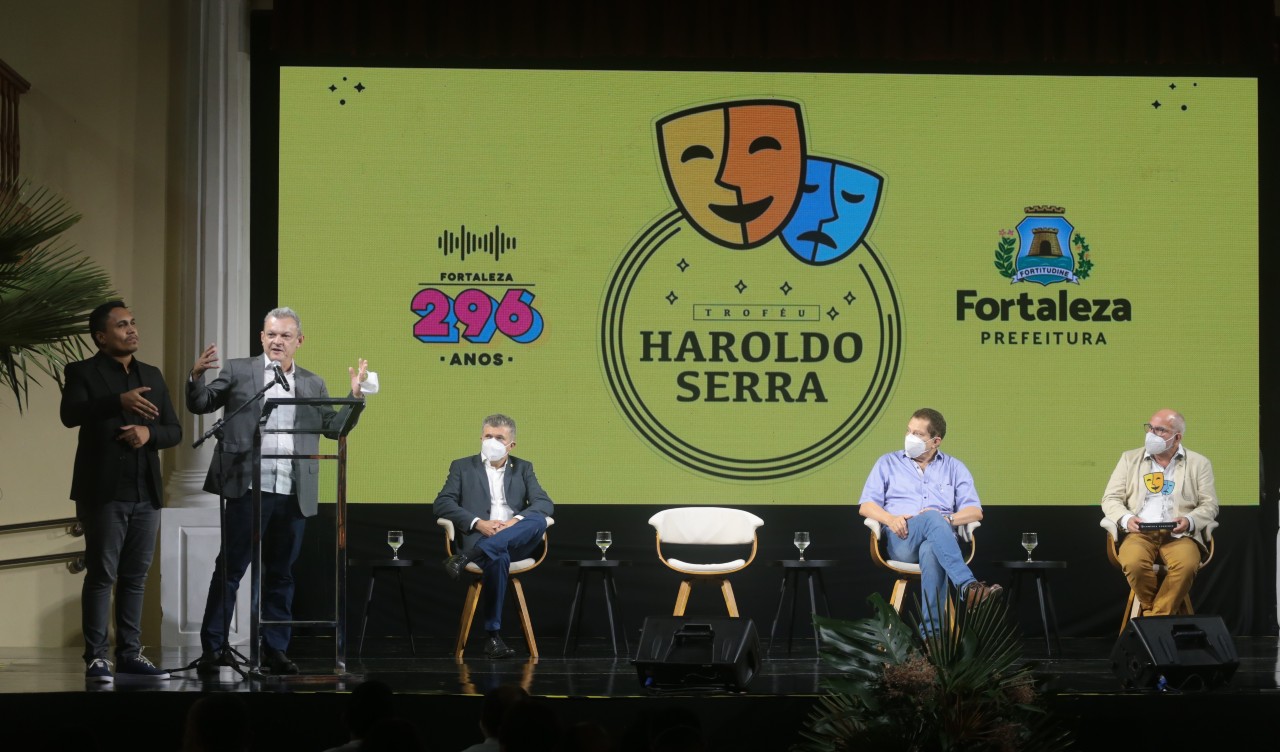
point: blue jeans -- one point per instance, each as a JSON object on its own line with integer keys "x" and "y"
{"x": 931, "y": 542}
{"x": 119, "y": 541}
{"x": 494, "y": 555}
{"x": 282, "y": 528}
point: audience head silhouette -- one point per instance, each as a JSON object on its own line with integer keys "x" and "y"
{"x": 530, "y": 726}
{"x": 662, "y": 726}
{"x": 682, "y": 738}
{"x": 392, "y": 735}
{"x": 369, "y": 703}
{"x": 217, "y": 723}
{"x": 587, "y": 736}
{"x": 497, "y": 702}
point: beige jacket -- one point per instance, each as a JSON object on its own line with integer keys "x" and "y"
{"x": 1194, "y": 495}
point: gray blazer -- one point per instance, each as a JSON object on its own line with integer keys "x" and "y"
{"x": 465, "y": 495}
{"x": 231, "y": 470}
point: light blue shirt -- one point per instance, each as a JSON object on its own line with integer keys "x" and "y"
{"x": 897, "y": 484}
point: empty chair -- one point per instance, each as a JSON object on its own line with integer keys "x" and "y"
{"x": 706, "y": 526}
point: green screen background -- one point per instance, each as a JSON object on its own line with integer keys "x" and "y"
{"x": 567, "y": 162}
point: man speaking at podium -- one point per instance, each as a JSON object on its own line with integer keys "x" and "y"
{"x": 289, "y": 487}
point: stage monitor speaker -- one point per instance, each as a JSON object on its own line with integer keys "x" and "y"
{"x": 697, "y": 652}
{"x": 1187, "y": 652}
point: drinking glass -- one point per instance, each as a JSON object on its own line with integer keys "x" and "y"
{"x": 1029, "y": 542}
{"x": 604, "y": 539}
{"x": 802, "y": 542}
{"x": 395, "y": 539}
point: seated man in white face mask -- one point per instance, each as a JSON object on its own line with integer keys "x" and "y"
{"x": 1163, "y": 482}
{"x": 918, "y": 494}
{"x": 499, "y": 511}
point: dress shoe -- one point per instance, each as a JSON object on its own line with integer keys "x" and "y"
{"x": 209, "y": 665}
{"x": 978, "y": 592}
{"x": 279, "y": 663}
{"x": 454, "y": 565}
{"x": 495, "y": 648}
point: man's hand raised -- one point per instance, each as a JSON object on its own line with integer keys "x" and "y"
{"x": 207, "y": 359}
{"x": 358, "y": 375}
{"x": 132, "y": 401}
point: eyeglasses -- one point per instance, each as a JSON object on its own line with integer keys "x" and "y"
{"x": 1158, "y": 430}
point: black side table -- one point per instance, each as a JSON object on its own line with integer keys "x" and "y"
{"x": 1039, "y": 570}
{"x": 603, "y": 567}
{"x": 376, "y": 566}
{"x": 792, "y": 571}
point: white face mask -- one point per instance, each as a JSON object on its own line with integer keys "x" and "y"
{"x": 914, "y": 446}
{"x": 1156, "y": 445}
{"x": 493, "y": 450}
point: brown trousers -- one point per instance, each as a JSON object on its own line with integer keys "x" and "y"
{"x": 1181, "y": 557}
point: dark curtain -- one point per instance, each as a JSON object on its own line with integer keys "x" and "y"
{"x": 988, "y": 32}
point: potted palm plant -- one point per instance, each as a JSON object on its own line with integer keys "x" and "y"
{"x": 47, "y": 289}
{"x": 964, "y": 687}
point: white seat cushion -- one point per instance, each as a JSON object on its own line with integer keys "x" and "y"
{"x": 727, "y": 566}
{"x": 706, "y": 525}
{"x": 914, "y": 568}
{"x": 516, "y": 566}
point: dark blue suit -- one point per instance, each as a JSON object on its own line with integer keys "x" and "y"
{"x": 465, "y": 498}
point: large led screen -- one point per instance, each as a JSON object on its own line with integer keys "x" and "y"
{"x": 735, "y": 288}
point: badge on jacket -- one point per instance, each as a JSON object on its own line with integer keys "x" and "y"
{"x": 1157, "y": 483}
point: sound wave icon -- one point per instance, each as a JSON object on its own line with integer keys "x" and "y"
{"x": 494, "y": 243}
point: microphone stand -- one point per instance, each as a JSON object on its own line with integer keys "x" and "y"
{"x": 227, "y": 655}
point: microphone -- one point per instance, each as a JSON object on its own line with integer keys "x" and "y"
{"x": 280, "y": 379}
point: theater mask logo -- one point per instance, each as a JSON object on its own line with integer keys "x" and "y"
{"x": 753, "y": 331}
{"x": 837, "y": 203}
{"x": 735, "y": 169}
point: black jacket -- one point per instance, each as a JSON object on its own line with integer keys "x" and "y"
{"x": 88, "y": 402}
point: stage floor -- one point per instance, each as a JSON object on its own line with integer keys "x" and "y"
{"x": 1083, "y": 666}
{"x": 44, "y": 688}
